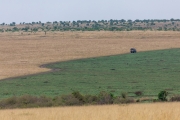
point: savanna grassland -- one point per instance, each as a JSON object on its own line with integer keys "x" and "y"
{"x": 148, "y": 72}
{"x": 25, "y": 54}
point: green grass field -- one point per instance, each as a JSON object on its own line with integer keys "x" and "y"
{"x": 149, "y": 72}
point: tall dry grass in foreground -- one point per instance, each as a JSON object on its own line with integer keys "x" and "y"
{"x": 23, "y": 54}
{"x": 155, "y": 111}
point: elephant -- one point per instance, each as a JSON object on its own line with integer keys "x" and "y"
{"x": 133, "y": 50}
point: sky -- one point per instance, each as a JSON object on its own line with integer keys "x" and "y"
{"x": 69, "y": 10}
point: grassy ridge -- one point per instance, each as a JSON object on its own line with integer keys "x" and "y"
{"x": 149, "y": 72}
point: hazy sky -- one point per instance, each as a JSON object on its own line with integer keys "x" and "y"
{"x": 69, "y": 10}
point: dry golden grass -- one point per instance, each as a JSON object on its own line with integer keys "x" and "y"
{"x": 156, "y": 111}
{"x": 23, "y": 54}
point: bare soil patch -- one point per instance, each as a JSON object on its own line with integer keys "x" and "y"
{"x": 24, "y": 54}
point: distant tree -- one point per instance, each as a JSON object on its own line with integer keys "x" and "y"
{"x": 129, "y": 21}
{"x": 152, "y": 23}
{"x": 171, "y": 19}
{"x": 160, "y": 28}
{"x": 26, "y": 28}
{"x": 137, "y": 20}
{"x": 35, "y": 29}
{"x": 15, "y": 29}
{"x": 1, "y": 30}
{"x": 55, "y": 27}
{"x": 55, "y": 22}
{"x": 12, "y": 24}
{"x": 111, "y": 23}
{"x": 164, "y": 20}
{"x": 8, "y": 30}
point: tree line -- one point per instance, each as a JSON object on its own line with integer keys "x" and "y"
{"x": 92, "y": 25}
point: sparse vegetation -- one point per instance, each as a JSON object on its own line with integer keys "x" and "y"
{"x": 77, "y": 99}
{"x": 74, "y": 99}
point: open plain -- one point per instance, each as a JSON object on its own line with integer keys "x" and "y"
{"x": 23, "y": 54}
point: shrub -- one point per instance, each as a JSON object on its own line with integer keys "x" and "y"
{"x": 91, "y": 99}
{"x": 162, "y": 95}
{"x": 8, "y": 103}
{"x": 57, "y": 101}
{"x": 44, "y": 101}
{"x": 78, "y": 96}
{"x": 124, "y": 95}
{"x": 138, "y": 93}
{"x": 69, "y": 100}
{"x": 105, "y": 98}
{"x": 175, "y": 98}
{"x": 26, "y": 101}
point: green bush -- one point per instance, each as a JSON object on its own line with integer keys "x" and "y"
{"x": 162, "y": 95}
{"x": 78, "y": 96}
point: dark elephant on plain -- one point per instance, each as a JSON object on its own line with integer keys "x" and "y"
{"x": 133, "y": 50}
